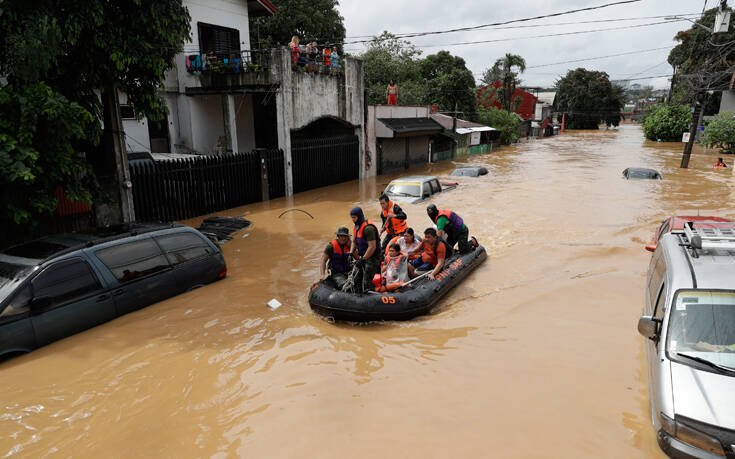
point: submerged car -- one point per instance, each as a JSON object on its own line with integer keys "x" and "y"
{"x": 56, "y": 286}
{"x": 641, "y": 173}
{"x": 416, "y": 188}
{"x": 675, "y": 224}
{"x": 469, "y": 171}
{"x": 689, "y": 326}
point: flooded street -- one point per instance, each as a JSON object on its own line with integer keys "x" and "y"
{"x": 536, "y": 354}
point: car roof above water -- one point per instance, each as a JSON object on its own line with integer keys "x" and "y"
{"x": 52, "y": 246}
{"x": 415, "y": 178}
{"x": 710, "y": 269}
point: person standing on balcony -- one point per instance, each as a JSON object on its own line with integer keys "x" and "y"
{"x": 326, "y": 56}
{"x": 294, "y": 46}
{"x": 392, "y": 93}
{"x": 334, "y": 57}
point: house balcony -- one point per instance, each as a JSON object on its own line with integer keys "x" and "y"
{"x": 241, "y": 72}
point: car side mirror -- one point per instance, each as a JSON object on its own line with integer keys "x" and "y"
{"x": 651, "y": 248}
{"x": 648, "y": 327}
{"x": 40, "y": 302}
{"x": 426, "y": 195}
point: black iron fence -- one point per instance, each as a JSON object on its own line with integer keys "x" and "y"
{"x": 324, "y": 161}
{"x": 184, "y": 188}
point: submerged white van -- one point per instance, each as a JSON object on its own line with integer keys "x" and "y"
{"x": 689, "y": 323}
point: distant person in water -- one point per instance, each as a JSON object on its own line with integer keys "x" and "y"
{"x": 720, "y": 164}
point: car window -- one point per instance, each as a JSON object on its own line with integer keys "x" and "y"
{"x": 64, "y": 281}
{"x": 403, "y": 189}
{"x": 133, "y": 260}
{"x": 435, "y": 187}
{"x": 19, "y": 303}
{"x": 183, "y": 247}
{"x": 426, "y": 190}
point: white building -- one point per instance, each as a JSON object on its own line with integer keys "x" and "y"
{"x": 223, "y": 97}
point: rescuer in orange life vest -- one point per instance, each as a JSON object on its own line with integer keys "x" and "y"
{"x": 394, "y": 220}
{"x": 451, "y": 224}
{"x": 365, "y": 249}
{"x": 337, "y": 254}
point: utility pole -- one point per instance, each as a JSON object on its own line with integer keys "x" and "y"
{"x": 722, "y": 24}
{"x": 697, "y": 112}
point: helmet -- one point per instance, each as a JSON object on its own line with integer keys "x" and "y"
{"x": 343, "y": 231}
{"x": 432, "y": 211}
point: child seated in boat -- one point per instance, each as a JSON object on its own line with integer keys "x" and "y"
{"x": 434, "y": 251}
{"x": 395, "y": 269}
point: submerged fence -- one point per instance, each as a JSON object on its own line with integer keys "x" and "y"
{"x": 184, "y": 188}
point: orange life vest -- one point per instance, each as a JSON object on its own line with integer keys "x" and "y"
{"x": 361, "y": 242}
{"x": 396, "y": 225}
{"x": 429, "y": 254}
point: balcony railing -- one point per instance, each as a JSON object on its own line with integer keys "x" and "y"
{"x": 236, "y": 68}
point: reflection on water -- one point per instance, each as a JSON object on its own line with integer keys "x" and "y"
{"x": 534, "y": 355}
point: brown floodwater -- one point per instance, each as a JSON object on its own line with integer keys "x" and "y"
{"x": 535, "y": 355}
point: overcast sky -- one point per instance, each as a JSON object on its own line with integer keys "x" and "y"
{"x": 369, "y": 18}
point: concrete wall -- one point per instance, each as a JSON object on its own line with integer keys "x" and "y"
{"x": 136, "y": 131}
{"x": 304, "y": 97}
{"x": 727, "y": 104}
{"x": 207, "y": 124}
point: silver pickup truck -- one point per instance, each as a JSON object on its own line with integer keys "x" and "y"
{"x": 416, "y": 188}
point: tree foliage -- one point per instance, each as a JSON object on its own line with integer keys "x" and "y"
{"x": 449, "y": 83}
{"x": 506, "y": 122}
{"x": 666, "y": 122}
{"x": 506, "y": 70}
{"x": 720, "y": 132}
{"x": 440, "y": 78}
{"x": 310, "y": 20}
{"x": 702, "y": 61}
{"x": 587, "y": 98}
{"x": 56, "y": 55}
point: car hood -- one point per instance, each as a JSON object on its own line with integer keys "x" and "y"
{"x": 704, "y": 396}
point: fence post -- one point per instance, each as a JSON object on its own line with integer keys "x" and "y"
{"x": 264, "y": 188}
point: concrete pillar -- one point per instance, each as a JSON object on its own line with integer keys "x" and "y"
{"x": 230, "y": 122}
{"x": 284, "y": 112}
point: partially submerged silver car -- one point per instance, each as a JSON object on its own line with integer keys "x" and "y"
{"x": 689, "y": 320}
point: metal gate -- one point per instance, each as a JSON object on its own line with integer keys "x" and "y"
{"x": 324, "y": 161}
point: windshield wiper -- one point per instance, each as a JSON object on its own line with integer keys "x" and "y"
{"x": 706, "y": 362}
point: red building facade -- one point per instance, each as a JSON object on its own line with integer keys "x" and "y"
{"x": 486, "y": 97}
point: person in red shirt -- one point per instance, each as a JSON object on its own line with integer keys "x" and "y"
{"x": 392, "y": 93}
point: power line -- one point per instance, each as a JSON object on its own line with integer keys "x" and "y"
{"x": 640, "y": 18}
{"x": 544, "y": 36}
{"x": 492, "y": 24}
{"x": 599, "y": 57}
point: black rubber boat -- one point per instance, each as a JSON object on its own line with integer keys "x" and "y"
{"x": 415, "y": 299}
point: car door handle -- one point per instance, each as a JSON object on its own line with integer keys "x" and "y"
{"x": 118, "y": 292}
{"x": 102, "y": 297}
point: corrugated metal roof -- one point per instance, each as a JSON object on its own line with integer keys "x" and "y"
{"x": 404, "y": 125}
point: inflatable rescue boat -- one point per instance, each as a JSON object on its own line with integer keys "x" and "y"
{"x": 415, "y": 299}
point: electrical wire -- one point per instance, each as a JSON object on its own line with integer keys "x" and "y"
{"x": 599, "y": 57}
{"x": 492, "y": 24}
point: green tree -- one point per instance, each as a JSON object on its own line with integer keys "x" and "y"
{"x": 506, "y": 70}
{"x": 55, "y": 56}
{"x": 666, "y": 122}
{"x": 310, "y": 20}
{"x": 449, "y": 83}
{"x": 720, "y": 132}
{"x": 386, "y": 58}
{"x": 508, "y": 123}
{"x": 702, "y": 61}
{"x": 587, "y": 98}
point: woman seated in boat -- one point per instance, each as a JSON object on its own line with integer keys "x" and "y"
{"x": 408, "y": 242}
{"x": 395, "y": 269}
{"x": 433, "y": 253}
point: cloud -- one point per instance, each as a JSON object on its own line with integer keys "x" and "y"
{"x": 371, "y": 18}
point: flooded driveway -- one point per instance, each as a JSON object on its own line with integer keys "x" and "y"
{"x": 536, "y": 354}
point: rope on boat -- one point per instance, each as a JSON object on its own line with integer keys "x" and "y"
{"x": 349, "y": 286}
